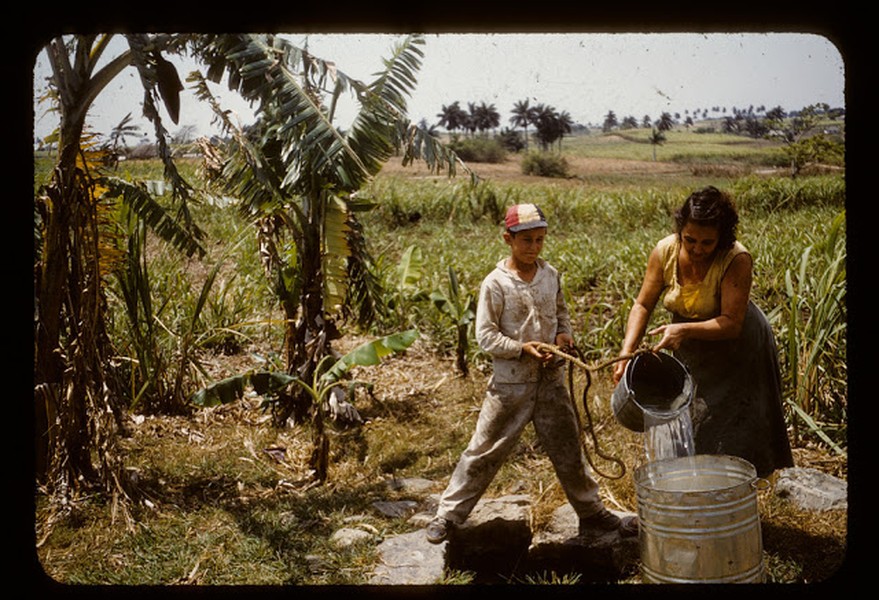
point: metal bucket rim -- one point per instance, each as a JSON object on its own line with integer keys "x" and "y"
{"x": 670, "y": 359}
{"x": 746, "y": 474}
{"x": 624, "y": 403}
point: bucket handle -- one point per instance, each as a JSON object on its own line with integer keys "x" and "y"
{"x": 760, "y": 484}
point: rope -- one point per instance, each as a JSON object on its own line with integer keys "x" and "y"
{"x": 576, "y": 361}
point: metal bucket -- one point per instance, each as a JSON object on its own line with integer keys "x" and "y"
{"x": 656, "y": 382}
{"x": 699, "y": 520}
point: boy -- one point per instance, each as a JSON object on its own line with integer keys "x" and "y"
{"x": 520, "y": 306}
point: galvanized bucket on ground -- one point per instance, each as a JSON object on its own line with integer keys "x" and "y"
{"x": 657, "y": 382}
{"x": 699, "y": 520}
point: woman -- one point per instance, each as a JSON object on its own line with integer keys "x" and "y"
{"x": 704, "y": 278}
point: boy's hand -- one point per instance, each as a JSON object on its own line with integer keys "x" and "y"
{"x": 531, "y": 348}
{"x": 564, "y": 341}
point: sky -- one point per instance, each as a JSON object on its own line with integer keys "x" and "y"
{"x": 585, "y": 74}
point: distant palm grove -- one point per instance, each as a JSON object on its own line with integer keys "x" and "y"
{"x": 550, "y": 125}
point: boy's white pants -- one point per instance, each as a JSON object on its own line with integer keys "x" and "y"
{"x": 507, "y": 408}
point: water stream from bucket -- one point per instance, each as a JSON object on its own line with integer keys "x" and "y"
{"x": 668, "y": 434}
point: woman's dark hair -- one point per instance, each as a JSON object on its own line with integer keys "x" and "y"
{"x": 709, "y": 206}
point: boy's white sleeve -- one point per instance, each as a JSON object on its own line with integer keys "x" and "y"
{"x": 562, "y": 314}
{"x": 488, "y": 318}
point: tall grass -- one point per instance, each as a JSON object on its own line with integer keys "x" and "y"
{"x": 599, "y": 238}
{"x": 813, "y": 334}
{"x": 600, "y": 241}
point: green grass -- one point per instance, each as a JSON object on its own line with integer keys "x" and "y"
{"x": 681, "y": 146}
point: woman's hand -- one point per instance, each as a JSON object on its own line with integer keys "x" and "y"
{"x": 672, "y": 336}
{"x": 619, "y": 369}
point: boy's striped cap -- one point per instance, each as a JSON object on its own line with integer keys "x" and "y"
{"x": 524, "y": 216}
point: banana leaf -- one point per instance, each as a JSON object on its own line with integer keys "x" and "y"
{"x": 370, "y": 353}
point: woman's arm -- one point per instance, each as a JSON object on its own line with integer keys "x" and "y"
{"x": 639, "y": 315}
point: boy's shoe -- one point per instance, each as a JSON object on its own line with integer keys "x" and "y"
{"x": 605, "y": 521}
{"x": 438, "y": 530}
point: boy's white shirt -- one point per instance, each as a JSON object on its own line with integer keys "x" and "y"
{"x": 512, "y": 311}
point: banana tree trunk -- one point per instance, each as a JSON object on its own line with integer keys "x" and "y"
{"x": 59, "y": 219}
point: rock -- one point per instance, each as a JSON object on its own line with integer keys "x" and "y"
{"x": 409, "y": 559}
{"x": 348, "y": 536}
{"x": 494, "y": 539}
{"x": 608, "y": 557}
{"x": 426, "y": 511}
{"x": 399, "y": 508}
{"x": 410, "y": 484}
{"x": 496, "y": 543}
{"x": 421, "y": 519}
{"x": 812, "y": 489}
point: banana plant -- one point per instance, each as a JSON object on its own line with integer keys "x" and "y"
{"x": 329, "y": 374}
{"x": 460, "y": 307}
{"x": 297, "y": 177}
{"x": 71, "y": 348}
{"x": 407, "y": 290}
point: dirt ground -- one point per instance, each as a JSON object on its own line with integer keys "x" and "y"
{"x": 511, "y": 171}
{"x": 812, "y": 543}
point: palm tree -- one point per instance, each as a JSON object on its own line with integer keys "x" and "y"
{"x": 657, "y": 138}
{"x": 428, "y": 128}
{"x": 485, "y": 117}
{"x": 665, "y": 122}
{"x": 470, "y": 121}
{"x": 629, "y": 122}
{"x": 565, "y": 123}
{"x": 452, "y": 117}
{"x": 120, "y": 132}
{"x": 551, "y": 125}
{"x": 523, "y": 116}
{"x": 729, "y": 125}
{"x": 610, "y": 121}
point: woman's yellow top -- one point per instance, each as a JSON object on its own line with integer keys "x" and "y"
{"x": 696, "y": 300}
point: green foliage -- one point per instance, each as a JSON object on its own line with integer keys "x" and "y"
{"x": 599, "y": 238}
{"x": 551, "y": 578}
{"x": 164, "y": 357}
{"x": 816, "y": 149}
{"x": 460, "y": 307}
{"x": 368, "y": 354}
{"x": 479, "y": 149}
{"x": 545, "y": 164}
{"x": 512, "y": 141}
{"x": 813, "y": 334}
{"x": 298, "y": 176}
{"x": 600, "y": 241}
{"x": 764, "y": 196}
{"x": 329, "y": 374}
{"x": 153, "y": 214}
{"x": 406, "y": 287}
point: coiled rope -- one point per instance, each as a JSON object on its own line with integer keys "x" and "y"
{"x": 577, "y": 361}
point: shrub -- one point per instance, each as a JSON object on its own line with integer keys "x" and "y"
{"x": 479, "y": 149}
{"x": 544, "y": 164}
{"x": 511, "y": 140}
